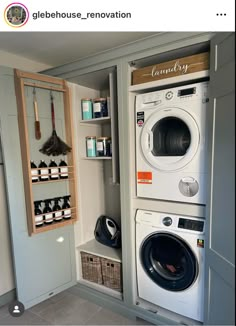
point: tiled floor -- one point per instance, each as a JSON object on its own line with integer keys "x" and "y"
{"x": 67, "y": 308}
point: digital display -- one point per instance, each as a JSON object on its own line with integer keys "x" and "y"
{"x": 191, "y": 225}
{"x": 187, "y": 91}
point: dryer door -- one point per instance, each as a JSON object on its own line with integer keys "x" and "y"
{"x": 169, "y": 139}
{"x": 169, "y": 261}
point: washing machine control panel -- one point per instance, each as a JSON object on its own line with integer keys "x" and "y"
{"x": 167, "y": 220}
{"x": 192, "y": 225}
{"x": 169, "y": 95}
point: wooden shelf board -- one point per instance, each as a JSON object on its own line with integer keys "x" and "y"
{"x": 53, "y": 226}
{"x": 102, "y": 288}
{"x": 97, "y": 158}
{"x": 168, "y": 81}
{"x": 95, "y": 248}
{"x": 96, "y": 120}
{"x": 50, "y": 181}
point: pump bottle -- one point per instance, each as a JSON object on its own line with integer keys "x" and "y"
{"x": 43, "y": 172}
{"x": 38, "y": 215}
{"x": 47, "y": 212}
{"x": 54, "y": 170}
{"x": 57, "y": 215}
{"x": 66, "y": 208}
{"x": 34, "y": 173}
{"x": 63, "y": 170}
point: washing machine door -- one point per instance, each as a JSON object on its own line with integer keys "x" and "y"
{"x": 169, "y": 261}
{"x": 169, "y": 139}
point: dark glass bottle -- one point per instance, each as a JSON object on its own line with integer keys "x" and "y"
{"x": 66, "y": 208}
{"x": 47, "y": 212}
{"x": 34, "y": 173}
{"x": 63, "y": 170}
{"x": 53, "y": 170}
{"x": 38, "y": 215}
{"x": 57, "y": 212}
{"x": 43, "y": 171}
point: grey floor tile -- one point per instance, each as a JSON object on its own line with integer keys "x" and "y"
{"x": 107, "y": 317}
{"x": 4, "y": 311}
{"x": 67, "y": 302}
{"x": 70, "y": 310}
{"x": 40, "y": 307}
{"x": 28, "y": 318}
{"x": 59, "y": 296}
{"x": 74, "y": 290}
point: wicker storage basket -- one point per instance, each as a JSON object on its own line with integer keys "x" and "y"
{"x": 91, "y": 267}
{"x": 111, "y": 273}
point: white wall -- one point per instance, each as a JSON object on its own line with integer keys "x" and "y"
{"x": 6, "y": 267}
{"x": 14, "y": 61}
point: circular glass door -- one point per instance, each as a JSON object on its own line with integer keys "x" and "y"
{"x": 169, "y": 261}
{"x": 169, "y": 139}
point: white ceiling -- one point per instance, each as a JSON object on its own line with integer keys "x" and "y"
{"x": 57, "y": 48}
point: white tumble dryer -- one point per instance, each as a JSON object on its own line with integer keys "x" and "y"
{"x": 171, "y": 143}
{"x": 170, "y": 261}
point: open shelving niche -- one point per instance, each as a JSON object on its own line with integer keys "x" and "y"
{"x": 99, "y": 189}
{"x": 25, "y": 83}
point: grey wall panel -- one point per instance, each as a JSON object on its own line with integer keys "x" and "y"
{"x": 222, "y": 222}
{"x": 220, "y": 209}
{"x": 221, "y": 300}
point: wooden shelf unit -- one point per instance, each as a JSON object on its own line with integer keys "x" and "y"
{"x": 102, "y": 120}
{"x": 22, "y": 80}
{"x": 95, "y": 248}
{"x": 169, "y": 81}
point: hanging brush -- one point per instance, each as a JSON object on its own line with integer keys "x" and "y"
{"x": 36, "y": 115}
{"x": 54, "y": 145}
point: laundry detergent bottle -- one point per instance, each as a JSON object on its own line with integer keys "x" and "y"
{"x": 57, "y": 211}
{"x": 47, "y": 212}
{"x": 66, "y": 208}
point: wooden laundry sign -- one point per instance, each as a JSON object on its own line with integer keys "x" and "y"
{"x": 173, "y": 68}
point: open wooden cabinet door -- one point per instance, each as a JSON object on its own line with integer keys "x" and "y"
{"x": 220, "y": 235}
{"x": 44, "y": 263}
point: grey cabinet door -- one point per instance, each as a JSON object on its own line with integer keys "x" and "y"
{"x": 44, "y": 264}
{"x": 220, "y": 238}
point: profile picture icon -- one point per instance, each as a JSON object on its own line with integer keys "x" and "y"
{"x": 16, "y": 308}
{"x": 16, "y": 14}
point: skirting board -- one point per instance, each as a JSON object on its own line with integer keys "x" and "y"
{"x": 118, "y": 306}
{"x": 7, "y": 297}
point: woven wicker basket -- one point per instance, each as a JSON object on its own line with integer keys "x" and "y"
{"x": 91, "y": 268}
{"x": 111, "y": 273}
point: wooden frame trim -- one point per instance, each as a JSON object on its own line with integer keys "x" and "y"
{"x": 43, "y": 78}
{"x": 70, "y": 141}
{"x": 24, "y": 145}
{"x": 52, "y": 88}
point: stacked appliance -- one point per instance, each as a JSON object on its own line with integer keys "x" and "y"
{"x": 171, "y": 143}
{"x": 171, "y": 154}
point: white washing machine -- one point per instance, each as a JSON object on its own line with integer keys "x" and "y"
{"x": 171, "y": 143}
{"x": 170, "y": 262}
